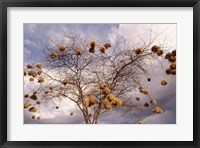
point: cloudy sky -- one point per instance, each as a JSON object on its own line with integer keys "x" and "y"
{"x": 35, "y": 35}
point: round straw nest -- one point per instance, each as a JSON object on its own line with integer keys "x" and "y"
{"x": 148, "y": 79}
{"x": 51, "y": 87}
{"x": 173, "y": 66}
{"x": 108, "y": 106}
{"x": 32, "y": 109}
{"x": 26, "y": 96}
{"x": 139, "y": 122}
{"x": 93, "y": 44}
{"x": 107, "y": 45}
{"x": 146, "y": 104}
{"x": 163, "y": 82}
{"x": 33, "y": 97}
{"x": 174, "y": 52}
{"x": 137, "y": 98}
{"x": 86, "y": 102}
{"x": 33, "y": 116}
{"x": 32, "y": 73}
{"x": 26, "y": 104}
{"x": 160, "y": 52}
{"x": 155, "y": 48}
{"x": 65, "y": 81}
{"x": 39, "y": 66}
{"x": 168, "y": 55}
{"x": 31, "y": 79}
{"x": 54, "y": 55}
{"x": 173, "y": 71}
{"x": 103, "y": 49}
{"x": 168, "y": 71}
{"x": 153, "y": 101}
{"x": 38, "y": 102}
{"x": 92, "y": 100}
{"x": 62, "y": 47}
{"x": 40, "y": 79}
{"x": 138, "y": 51}
{"x": 106, "y": 91}
{"x": 92, "y": 50}
{"x": 144, "y": 90}
{"x": 29, "y": 66}
{"x": 157, "y": 110}
{"x": 102, "y": 85}
{"x": 78, "y": 52}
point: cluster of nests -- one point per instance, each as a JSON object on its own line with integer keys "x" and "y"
{"x": 157, "y": 49}
{"x": 34, "y": 73}
{"x": 171, "y": 57}
{"x": 110, "y": 100}
{"x": 163, "y": 82}
{"x": 34, "y": 117}
{"x": 143, "y": 90}
{"x": 102, "y": 48}
{"x": 91, "y": 100}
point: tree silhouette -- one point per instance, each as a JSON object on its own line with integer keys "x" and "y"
{"x": 96, "y": 76}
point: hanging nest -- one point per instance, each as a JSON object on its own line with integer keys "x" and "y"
{"x": 148, "y": 79}
{"x": 92, "y": 100}
{"x": 138, "y": 51}
{"x": 173, "y": 71}
{"x": 174, "y": 52}
{"x": 172, "y": 59}
{"x": 139, "y": 122}
{"x": 146, "y": 104}
{"x": 86, "y": 102}
{"x": 32, "y": 109}
{"x": 160, "y": 52}
{"x": 102, "y": 86}
{"x": 32, "y": 73}
{"x": 111, "y": 97}
{"x": 24, "y": 73}
{"x": 155, "y": 48}
{"x": 38, "y": 118}
{"x": 51, "y": 87}
{"x": 144, "y": 91}
{"x": 33, "y": 97}
{"x": 57, "y": 107}
{"x": 62, "y": 47}
{"x": 173, "y": 66}
{"x": 163, "y": 82}
{"x": 65, "y": 81}
{"x": 78, "y": 52}
{"x": 119, "y": 101}
{"x": 153, "y": 101}
{"x": 168, "y": 71}
{"x": 103, "y": 49}
{"x": 104, "y": 101}
{"x": 93, "y": 44}
{"x": 39, "y": 66}
{"x": 26, "y": 104}
{"x": 38, "y": 102}
{"x": 29, "y": 66}
{"x": 157, "y": 110}
{"x": 26, "y": 96}
{"x": 92, "y": 50}
{"x": 31, "y": 79}
{"x": 107, "y": 45}
{"x": 108, "y": 106}
{"x": 33, "y": 117}
{"x": 40, "y": 79}
{"x": 106, "y": 91}
{"x": 137, "y": 98}
{"x": 168, "y": 55}
{"x": 54, "y": 55}
{"x": 71, "y": 114}
{"x": 39, "y": 72}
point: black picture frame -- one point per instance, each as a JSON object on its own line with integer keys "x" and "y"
{"x": 4, "y": 4}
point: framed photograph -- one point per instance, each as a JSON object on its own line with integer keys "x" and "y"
{"x": 99, "y": 74}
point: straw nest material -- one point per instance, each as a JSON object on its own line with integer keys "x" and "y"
{"x": 92, "y": 100}
{"x": 155, "y": 48}
{"x": 39, "y": 66}
{"x": 108, "y": 106}
{"x": 78, "y": 52}
{"x": 62, "y": 47}
{"x": 24, "y": 73}
{"x": 163, "y": 82}
{"x": 144, "y": 91}
{"x": 92, "y": 50}
{"x": 139, "y": 122}
{"x": 54, "y": 55}
{"x": 111, "y": 97}
{"x": 168, "y": 55}
{"x": 39, "y": 72}
{"x": 107, "y": 45}
{"x": 51, "y": 87}
{"x": 172, "y": 59}
{"x": 148, "y": 79}
{"x": 32, "y": 73}
{"x": 168, "y": 71}
{"x": 173, "y": 66}
{"x": 26, "y": 104}
{"x": 104, "y": 101}
{"x": 160, "y": 52}
{"x": 38, "y": 102}
{"x": 118, "y": 101}
{"x": 157, "y": 110}
{"x": 102, "y": 85}
{"x": 137, "y": 98}
{"x": 40, "y": 79}
{"x": 32, "y": 109}
{"x": 103, "y": 49}
{"x": 33, "y": 116}
{"x": 106, "y": 91}
{"x": 173, "y": 71}
{"x": 138, "y": 51}
{"x": 153, "y": 101}
{"x": 93, "y": 44}
{"x": 31, "y": 79}
{"x": 46, "y": 92}
{"x": 86, "y": 102}
{"x": 29, "y": 66}
{"x": 65, "y": 81}
{"x": 146, "y": 104}
{"x": 26, "y": 96}
{"x": 33, "y": 97}
{"x": 174, "y": 52}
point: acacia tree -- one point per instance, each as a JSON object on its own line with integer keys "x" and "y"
{"x": 97, "y": 77}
